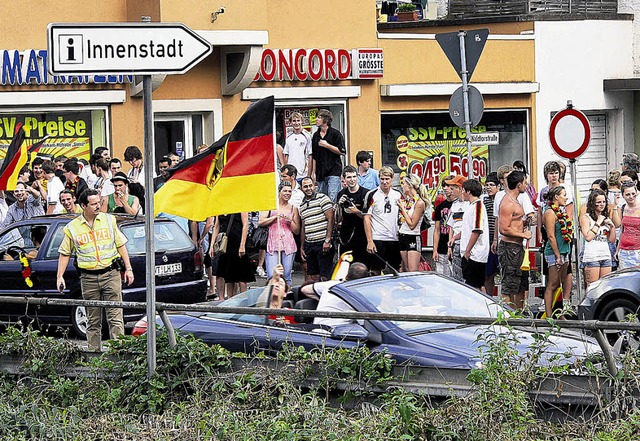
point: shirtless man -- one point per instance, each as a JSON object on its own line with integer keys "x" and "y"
{"x": 511, "y": 248}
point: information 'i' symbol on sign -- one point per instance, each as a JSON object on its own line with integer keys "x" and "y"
{"x": 72, "y": 51}
{"x": 71, "y": 45}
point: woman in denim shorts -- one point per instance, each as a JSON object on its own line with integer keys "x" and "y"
{"x": 558, "y": 245}
{"x": 598, "y": 231}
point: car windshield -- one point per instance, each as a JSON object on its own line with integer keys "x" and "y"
{"x": 169, "y": 237}
{"x": 253, "y": 298}
{"x": 427, "y": 294}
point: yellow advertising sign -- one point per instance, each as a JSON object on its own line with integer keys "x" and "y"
{"x": 68, "y": 133}
{"x": 436, "y": 152}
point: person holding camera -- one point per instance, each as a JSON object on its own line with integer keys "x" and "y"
{"x": 351, "y": 217}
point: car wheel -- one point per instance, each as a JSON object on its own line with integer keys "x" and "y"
{"x": 617, "y": 311}
{"x": 79, "y": 321}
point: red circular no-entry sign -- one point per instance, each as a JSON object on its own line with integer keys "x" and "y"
{"x": 570, "y": 133}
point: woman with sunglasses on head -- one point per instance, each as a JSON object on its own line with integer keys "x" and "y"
{"x": 598, "y": 230}
{"x": 628, "y": 253}
{"x": 283, "y": 223}
{"x": 412, "y": 206}
{"x": 559, "y": 229}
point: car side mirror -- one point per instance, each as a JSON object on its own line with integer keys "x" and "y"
{"x": 349, "y": 332}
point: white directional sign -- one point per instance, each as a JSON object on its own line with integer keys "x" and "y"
{"x": 485, "y": 138}
{"x": 123, "y": 48}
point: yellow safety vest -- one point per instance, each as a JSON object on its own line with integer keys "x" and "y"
{"x": 95, "y": 247}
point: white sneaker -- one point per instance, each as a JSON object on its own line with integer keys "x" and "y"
{"x": 261, "y": 272}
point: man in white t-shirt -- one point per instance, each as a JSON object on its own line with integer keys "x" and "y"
{"x": 381, "y": 223}
{"x": 456, "y": 212}
{"x": 54, "y": 187}
{"x": 474, "y": 238}
{"x": 297, "y": 147}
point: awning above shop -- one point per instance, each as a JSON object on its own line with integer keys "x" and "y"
{"x": 448, "y": 88}
{"x": 620, "y": 84}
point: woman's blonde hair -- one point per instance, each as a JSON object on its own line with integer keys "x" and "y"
{"x": 415, "y": 182}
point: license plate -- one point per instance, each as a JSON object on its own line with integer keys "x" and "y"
{"x": 169, "y": 269}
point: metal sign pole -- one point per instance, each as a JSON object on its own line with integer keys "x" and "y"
{"x": 465, "y": 100}
{"x": 576, "y": 228}
{"x": 150, "y": 252}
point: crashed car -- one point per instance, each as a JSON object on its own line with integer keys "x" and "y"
{"x": 444, "y": 345}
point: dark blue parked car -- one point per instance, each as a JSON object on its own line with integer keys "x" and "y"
{"x": 179, "y": 269}
{"x": 422, "y": 343}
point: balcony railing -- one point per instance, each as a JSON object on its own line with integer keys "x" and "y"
{"x": 491, "y": 8}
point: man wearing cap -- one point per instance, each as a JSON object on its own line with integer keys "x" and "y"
{"x": 120, "y": 201}
{"x": 454, "y": 221}
{"x": 98, "y": 243}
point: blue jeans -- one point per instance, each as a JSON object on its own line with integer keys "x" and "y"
{"x": 271, "y": 260}
{"x": 331, "y": 187}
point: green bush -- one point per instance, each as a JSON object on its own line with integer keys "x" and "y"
{"x": 196, "y": 396}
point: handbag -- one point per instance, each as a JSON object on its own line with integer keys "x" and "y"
{"x": 260, "y": 237}
{"x": 424, "y": 265}
{"x": 222, "y": 239}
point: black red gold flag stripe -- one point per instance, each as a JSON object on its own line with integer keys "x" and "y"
{"x": 236, "y": 174}
{"x": 14, "y": 160}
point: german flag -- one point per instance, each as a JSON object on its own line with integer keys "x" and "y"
{"x": 14, "y": 160}
{"x": 236, "y": 174}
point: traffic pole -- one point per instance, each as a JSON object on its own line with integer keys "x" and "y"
{"x": 149, "y": 161}
{"x": 465, "y": 102}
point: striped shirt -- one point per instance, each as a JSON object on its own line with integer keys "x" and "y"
{"x": 488, "y": 203}
{"x": 312, "y": 213}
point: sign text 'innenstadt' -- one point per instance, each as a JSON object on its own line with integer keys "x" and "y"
{"x": 124, "y": 48}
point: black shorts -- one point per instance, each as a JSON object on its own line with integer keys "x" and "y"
{"x": 318, "y": 262}
{"x": 387, "y": 251}
{"x": 514, "y": 280}
{"x": 409, "y": 242}
{"x": 473, "y": 272}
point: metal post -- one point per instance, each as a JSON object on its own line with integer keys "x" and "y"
{"x": 150, "y": 253}
{"x": 465, "y": 101}
{"x": 576, "y": 228}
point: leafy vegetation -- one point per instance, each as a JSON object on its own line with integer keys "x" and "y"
{"x": 195, "y": 395}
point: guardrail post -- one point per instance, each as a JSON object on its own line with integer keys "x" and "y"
{"x": 606, "y": 351}
{"x": 168, "y": 325}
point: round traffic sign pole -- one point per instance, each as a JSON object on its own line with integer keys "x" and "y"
{"x": 569, "y": 133}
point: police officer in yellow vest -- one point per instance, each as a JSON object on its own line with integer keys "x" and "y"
{"x": 97, "y": 242}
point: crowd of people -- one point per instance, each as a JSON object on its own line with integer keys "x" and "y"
{"x": 479, "y": 230}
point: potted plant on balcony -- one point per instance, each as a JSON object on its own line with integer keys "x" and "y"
{"x": 407, "y": 12}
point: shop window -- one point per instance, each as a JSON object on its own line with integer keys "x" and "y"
{"x": 309, "y": 112}
{"x": 70, "y": 133}
{"x": 431, "y": 146}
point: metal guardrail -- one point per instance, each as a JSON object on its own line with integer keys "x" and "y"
{"x": 595, "y": 326}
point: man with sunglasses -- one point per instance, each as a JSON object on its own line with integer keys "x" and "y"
{"x": 381, "y": 223}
